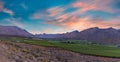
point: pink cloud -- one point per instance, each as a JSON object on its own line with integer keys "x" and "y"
{"x": 63, "y": 18}
{"x": 1, "y": 6}
{"x": 5, "y": 10}
{"x": 54, "y": 11}
{"x": 8, "y": 11}
{"x": 83, "y": 7}
{"x": 97, "y": 5}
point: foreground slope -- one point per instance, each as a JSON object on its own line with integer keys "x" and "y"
{"x": 3, "y": 58}
{"x": 20, "y": 52}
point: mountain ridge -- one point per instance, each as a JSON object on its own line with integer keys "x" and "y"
{"x": 95, "y": 34}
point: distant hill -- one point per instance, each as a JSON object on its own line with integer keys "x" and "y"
{"x": 67, "y": 35}
{"x": 97, "y": 35}
{"x": 47, "y": 35}
{"x": 13, "y": 31}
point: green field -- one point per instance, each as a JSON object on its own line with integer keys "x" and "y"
{"x": 82, "y": 48}
{"x": 91, "y": 49}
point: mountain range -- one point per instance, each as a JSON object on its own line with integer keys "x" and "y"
{"x": 95, "y": 34}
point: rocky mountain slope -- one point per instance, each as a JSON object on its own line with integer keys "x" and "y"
{"x": 20, "y": 52}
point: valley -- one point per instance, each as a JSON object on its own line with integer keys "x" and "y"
{"x": 31, "y": 50}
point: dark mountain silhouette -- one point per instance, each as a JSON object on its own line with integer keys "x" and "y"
{"x": 97, "y": 35}
{"x": 13, "y": 31}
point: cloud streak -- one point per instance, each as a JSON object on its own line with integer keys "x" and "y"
{"x": 5, "y": 10}
{"x": 14, "y": 21}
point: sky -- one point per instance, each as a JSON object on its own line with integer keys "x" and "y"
{"x": 59, "y": 16}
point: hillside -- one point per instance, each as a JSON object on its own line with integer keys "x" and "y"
{"x": 20, "y": 52}
{"x": 13, "y": 31}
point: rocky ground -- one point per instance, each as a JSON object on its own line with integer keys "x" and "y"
{"x": 20, "y": 52}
